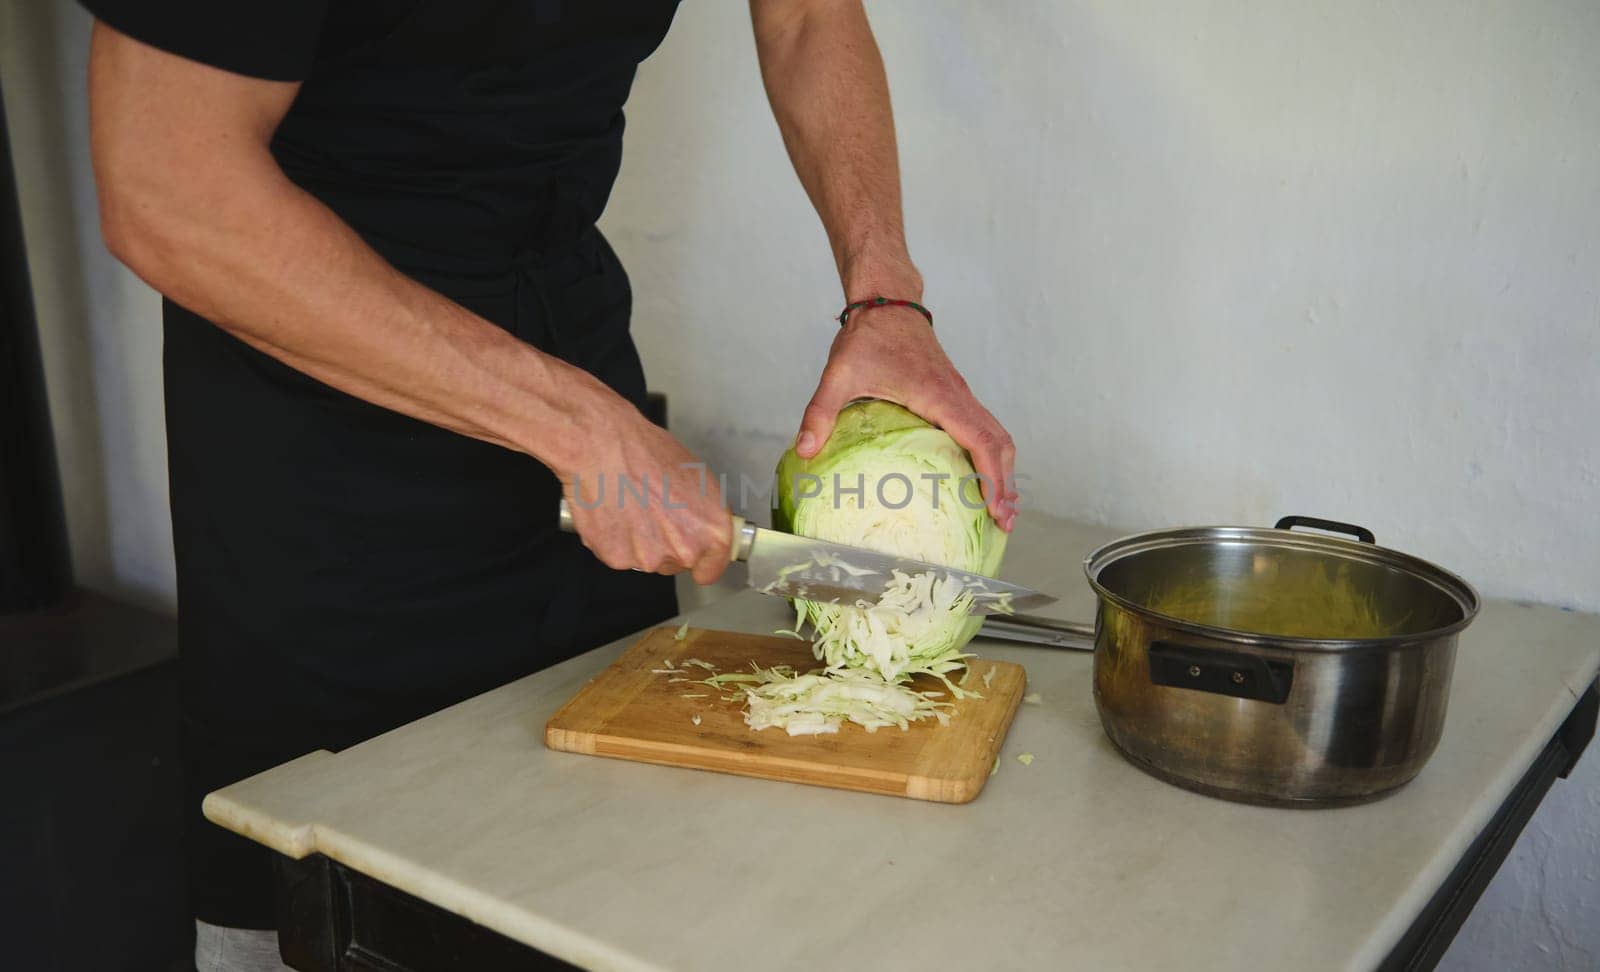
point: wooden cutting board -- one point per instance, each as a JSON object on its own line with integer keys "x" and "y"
{"x": 630, "y": 712}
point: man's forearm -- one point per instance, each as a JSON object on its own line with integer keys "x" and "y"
{"x": 825, "y": 80}
{"x": 192, "y": 200}
{"x": 281, "y": 272}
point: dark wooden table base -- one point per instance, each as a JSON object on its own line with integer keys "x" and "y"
{"x": 1430, "y": 935}
{"x": 335, "y": 919}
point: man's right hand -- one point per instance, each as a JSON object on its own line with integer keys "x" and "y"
{"x": 642, "y": 501}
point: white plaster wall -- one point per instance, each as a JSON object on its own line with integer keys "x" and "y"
{"x": 1211, "y": 262}
{"x": 100, "y": 327}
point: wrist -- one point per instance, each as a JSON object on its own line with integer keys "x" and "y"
{"x": 883, "y": 307}
{"x": 895, "y": 277}
{"x": 584, "y": 413}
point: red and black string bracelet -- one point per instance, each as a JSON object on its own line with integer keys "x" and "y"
{"x": 872, "y": 302}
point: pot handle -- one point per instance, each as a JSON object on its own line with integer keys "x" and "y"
{"x": 1333, "y": 526}
{"x": 1241, "y": 675}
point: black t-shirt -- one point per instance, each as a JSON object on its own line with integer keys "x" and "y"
{"x": 343, "y": 569}
{"x": 276, "y": 40}
{"x": 467, "y": 129}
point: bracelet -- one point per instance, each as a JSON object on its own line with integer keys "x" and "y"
{"x": 872, "y": 302}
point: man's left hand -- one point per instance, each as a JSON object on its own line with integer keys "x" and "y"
{"x": 891, "y": 353}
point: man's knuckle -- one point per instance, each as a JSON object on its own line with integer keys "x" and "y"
{"x": 817, "y": 410}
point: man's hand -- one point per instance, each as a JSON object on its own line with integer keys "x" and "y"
{"x": 825, "y": 80}
{"x": 642, "y": 501}
{"x": 892, "y": 353}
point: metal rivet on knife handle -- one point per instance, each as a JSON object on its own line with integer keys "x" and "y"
{"x": 744, "y": 538}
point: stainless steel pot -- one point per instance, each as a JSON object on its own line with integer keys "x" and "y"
{"x": 1273, "y": 666}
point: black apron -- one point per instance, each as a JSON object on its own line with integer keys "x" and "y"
{"x": 343, "y": 569}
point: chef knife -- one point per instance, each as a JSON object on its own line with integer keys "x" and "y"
{"x": 785, "y": 565}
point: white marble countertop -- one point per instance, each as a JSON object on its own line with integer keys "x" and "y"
{"x": 1078, "y": 860}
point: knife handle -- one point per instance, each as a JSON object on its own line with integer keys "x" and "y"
{"x": 744, "y": 532}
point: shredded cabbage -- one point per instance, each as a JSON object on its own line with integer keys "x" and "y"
{"x": 821, "y": 701}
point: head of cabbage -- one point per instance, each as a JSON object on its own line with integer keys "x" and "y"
{"x": 888, "y": 481}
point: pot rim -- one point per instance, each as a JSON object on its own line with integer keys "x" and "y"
{"x": 1447, "y": 583}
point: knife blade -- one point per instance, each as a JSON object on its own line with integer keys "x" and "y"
{"x": 784, "y": 565}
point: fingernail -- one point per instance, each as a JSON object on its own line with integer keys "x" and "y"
{"x": 807, "y": 440}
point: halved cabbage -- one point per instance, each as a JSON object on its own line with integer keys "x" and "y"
{"x": 888, "y": 481}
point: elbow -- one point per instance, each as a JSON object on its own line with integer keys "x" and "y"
{"x": 142, "y": 202}
{"x": 118, "y": 231}
{"x": 135, "y": 230}
{"x": 167, "y": 224}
